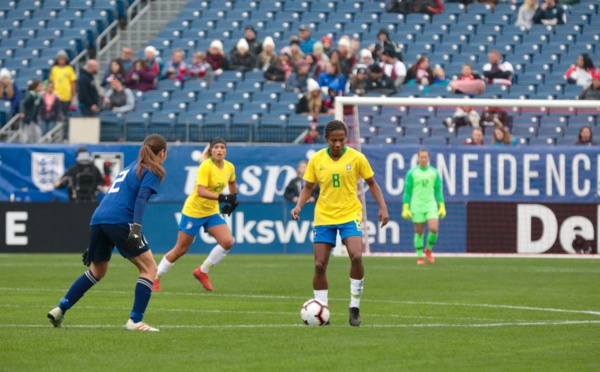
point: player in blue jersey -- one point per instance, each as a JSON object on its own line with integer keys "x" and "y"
{"x": 117, "y": 222}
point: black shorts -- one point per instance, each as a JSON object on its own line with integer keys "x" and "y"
{"x": 103, "y": 238}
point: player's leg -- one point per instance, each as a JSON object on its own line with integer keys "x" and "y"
{"x": 433, "y": 224}
{"x": 322, "y": 252}
{"x": 98, "y": 253}
{"x": 418, "y": 241}
{"x": 188, "y": 229}
{"x": 352, "y": 238}
{"x": 219, "y": 230}
{"x": 143, "y": 291}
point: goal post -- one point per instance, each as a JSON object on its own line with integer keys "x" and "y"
{"x": 403, "y": 125}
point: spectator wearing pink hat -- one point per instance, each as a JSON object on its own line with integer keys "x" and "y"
{"x": 327, "y": 45}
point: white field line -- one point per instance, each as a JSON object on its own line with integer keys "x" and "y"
{"x": 254, "y": 326}
{"x": 271, "y": 297}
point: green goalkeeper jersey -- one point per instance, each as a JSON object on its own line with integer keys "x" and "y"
{"x": 423, "y": 189}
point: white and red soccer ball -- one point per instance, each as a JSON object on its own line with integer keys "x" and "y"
{"x": 314, "y": 313}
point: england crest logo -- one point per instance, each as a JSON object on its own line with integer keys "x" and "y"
{"x": 46, "y": 168}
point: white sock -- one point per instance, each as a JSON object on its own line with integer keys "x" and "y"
{"x": 163, "y": 267}
{"x": 215, "y": 256}
{"x": 356, "y": 289}
{"x": 321, "y": 295}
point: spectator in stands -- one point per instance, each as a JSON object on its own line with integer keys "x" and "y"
{"x": 295, "y": 186}
{"x": 581, "y": 72}
{"x": 217, "y": 57}
{"x": 420, "y": 73}
{"x": 9, "y": 90}
{"x": 83, "y": 179}
{"x": 114, "y": 68}
{"x": 585, "y": 136}
{"x": 550, "y": 14}
{"x": 29, "y": 108}
{"x": 463, "y": 116}
{"x": 593, "y": 91}
{"x": 319, "y": 53}
{"x": 347, "y": 60}
{"x": 118, "y": 98}
{"x": 176, "y": 68}
{"x": 476, "y": 138}
{"x": 87, "y": 93}
{"x": 327, "y": 42}
{"x": 126, "y": 60}
{"x": 469, "y": 82}
{"x": 429, "y": 6}
{"x": 364, "y": 61}
{"x": 502, "y": 137}
{"x": 141, "y": 77}
{"x": 306, "y": 41}
{"x": 280, "y": 70}
{"x": 333, "y": 78}
{"x": 378, "y": 82}
{"x": 200, "y": 68}
{"x": 316, "y": 67}
{"x": 298, "y": 80}
{"x": 358, "y": 81}
{"x": 63, "y": 77}
{"x": 295, "y": 52}
{"x": 383, "y": 42}
{"x": 439, "y": 77}
{"x": 50, "y": 110}
{"x": 355, "y": 48}
{"x": 312, "y": 102}
{"x": 268, "y": 56}
{"x": 314, "y": 136}
{"x": 153, "y": 60}
{"x": 254, "y": 45}
{"x": 497, "y": 71}
{"x": 494, "y": 116}
{"x": 392, "y": 67}
{"x": 526, "y": 13}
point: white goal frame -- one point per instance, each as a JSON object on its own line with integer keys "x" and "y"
{"x": 356, "y": 101}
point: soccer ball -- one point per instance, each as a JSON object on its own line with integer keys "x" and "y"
{"x": 314, "y": 313}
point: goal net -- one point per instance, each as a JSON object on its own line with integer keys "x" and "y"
{"x": 532, "y": 192}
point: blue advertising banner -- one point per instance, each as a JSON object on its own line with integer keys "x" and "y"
{"x": 486, "y": 173}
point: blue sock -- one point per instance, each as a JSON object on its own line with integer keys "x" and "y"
{"x": 143, "y": 291}
{"x": 77, "y": 290}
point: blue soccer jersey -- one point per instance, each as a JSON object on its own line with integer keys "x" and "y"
{"x": 119, "y": 203}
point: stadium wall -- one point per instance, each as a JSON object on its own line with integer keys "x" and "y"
{"x": 510, "y": 200}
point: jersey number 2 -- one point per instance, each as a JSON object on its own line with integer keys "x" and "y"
{"x": 117, "y": 182}
{"x": 336, "y": 180}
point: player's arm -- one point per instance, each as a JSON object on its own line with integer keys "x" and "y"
{"x": 383, "y": 215}
{"x": 232, "y": 204}
{"x": 439, "y": 195}
{"x": 302, "y": 199}
{"x": 408, "y": 186}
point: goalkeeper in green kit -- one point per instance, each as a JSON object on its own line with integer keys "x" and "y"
{"x": 423, "y": 201}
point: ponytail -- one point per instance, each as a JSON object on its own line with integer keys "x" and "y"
{"x": 148, "y": 157}
{"x": 205, "y": 154}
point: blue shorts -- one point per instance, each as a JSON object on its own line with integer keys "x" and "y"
{"x": 103, "y": 238}
{"x": 191, "y": 225}
{"x": 328, "y": 233}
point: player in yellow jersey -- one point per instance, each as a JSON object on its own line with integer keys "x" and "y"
{"x": 201, "y": 209}
{"x": 337, "y": 169}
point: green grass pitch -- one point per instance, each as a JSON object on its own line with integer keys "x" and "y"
{"x": 460, "y": 314}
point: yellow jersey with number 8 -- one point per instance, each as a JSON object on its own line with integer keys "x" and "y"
{"x": 215, "y": 180}
{"x": 338, "y": 201}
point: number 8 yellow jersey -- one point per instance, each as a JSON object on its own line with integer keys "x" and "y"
{"x": 215, "y": 180}
{"x": 338, "y": 201}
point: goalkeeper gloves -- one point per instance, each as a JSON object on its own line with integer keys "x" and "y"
{"x": 406, "y": 213}
{"x": 85, "y": 257}
{"x": 134, "y": 239}
{"x": 229, "y": 208}
{"x": 442, "y": 211}
{"x": 231, "y": 198}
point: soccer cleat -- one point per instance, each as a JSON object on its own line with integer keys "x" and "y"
{"x": 156, "y": 285}
{"x": 203, "y": 278}
{"x": 429, "y": 255}
{"x": 139, "y": 326}
{"x": 56, "y": 317}
{"x": 354, "y": 316}
{"x": 420, "y": 261}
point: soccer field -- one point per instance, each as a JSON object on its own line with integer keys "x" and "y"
{"x": 537, "y": 314}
